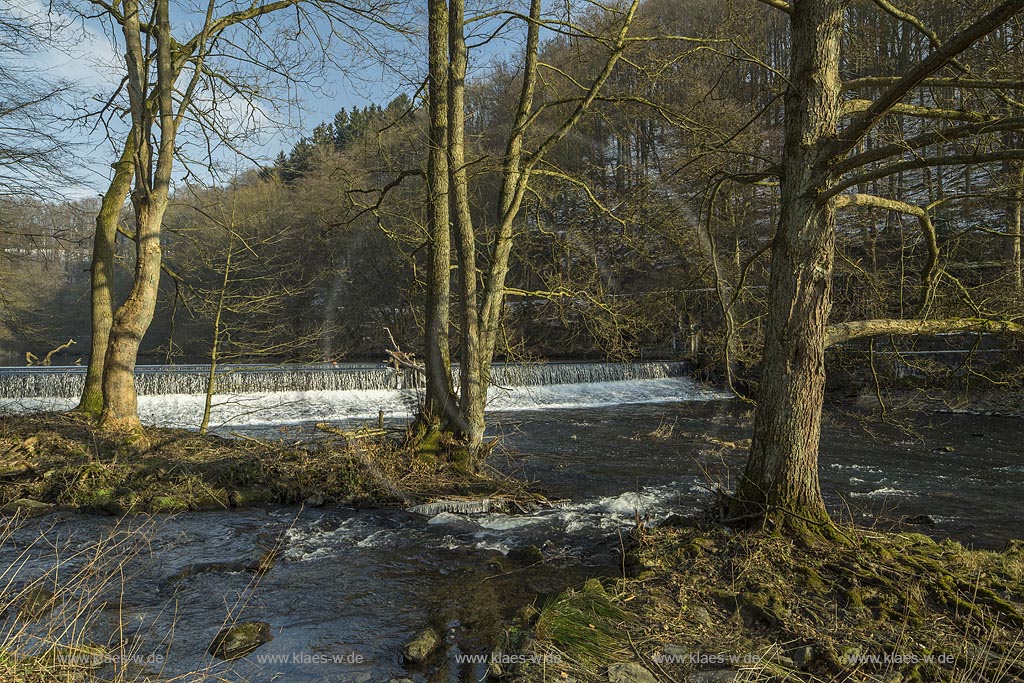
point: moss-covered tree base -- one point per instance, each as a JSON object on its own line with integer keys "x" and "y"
{"x": 716, "y": 605}
{"x": 440, "y": 447}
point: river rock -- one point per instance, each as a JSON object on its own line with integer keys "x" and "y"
{"x": 35, "y": 603}
{"x": 168, "y": 504}
{"x": 317, "y": 500}
{"x": 26, "y": 507}
{"x": 527, "y": 554}
{"x": 673, "y": 650}
{"x": 265, "y": 562}
{"x": 629, "y": 672}
{"x": 802, "y": 656}
{"x": 700, "y": 616}
{"x": 421, "y": 646}
{"x": 240, "y": 639}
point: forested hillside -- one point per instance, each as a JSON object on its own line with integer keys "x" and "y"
{"x": 645, "y": 232}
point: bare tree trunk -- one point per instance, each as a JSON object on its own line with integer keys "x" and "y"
{"x": 152, "y": 188}
{"x": 102, "y": 278}
{"x": 780, "y": 484}
{"x": 211, "y": 377}
{"x": 120, "y": 402}
{"x": 441, "y": 403}
{"x": 1016, "y": 266}
{"x": 472, "y": 382}
{"x": 447, "y": 182}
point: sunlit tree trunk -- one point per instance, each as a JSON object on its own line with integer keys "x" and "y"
{"x": 472, "y": 369}
{"x": 482, "y": 307}
{"x": 441, "y": 403}
{"x": 1014, "y": 229}
{"x": 149, "y": 198}
{"x": 780, "y": 482}
{"x": 102, "y": 278}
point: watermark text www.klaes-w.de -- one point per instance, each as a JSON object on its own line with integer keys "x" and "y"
{"x": 98, "y": 659}
{"x": 507, "y": 659}
{"x": 900, "y": 658}
{"x": 357, "y": 658}
{"x": 706, "y": 658}
{"x": 311, "y": 658}
{"x": 724, "y": 659}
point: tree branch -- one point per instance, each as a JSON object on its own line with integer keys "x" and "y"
{"x": 779, "y": 5}
{"x": 842, "y": 332}
{"x": 924, "y": 162}
{"x": 940, "y": 57}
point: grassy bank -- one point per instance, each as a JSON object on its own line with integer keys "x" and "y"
{"x": 59, "y": 460}
{"x": 710, "y": 604}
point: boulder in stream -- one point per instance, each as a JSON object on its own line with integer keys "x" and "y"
{"x": 422, "y": 645}
{"x": 26, "y": 507}
{"x": 240, "y": 639}
{"x": 629, "y": 672}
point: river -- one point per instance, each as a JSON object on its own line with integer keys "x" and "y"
{"x": 351, "y": 586}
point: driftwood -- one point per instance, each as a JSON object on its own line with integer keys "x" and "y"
{"x": 33, "y": 359}
{"x": 351, "y": 434}
{"x": 469, "y": 506}
{"x": 401, "y": 359}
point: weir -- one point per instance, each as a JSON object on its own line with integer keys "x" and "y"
{"x": 155, "y": 380}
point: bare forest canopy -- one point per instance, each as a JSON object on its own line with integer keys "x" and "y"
{"x": 645, "y": 231}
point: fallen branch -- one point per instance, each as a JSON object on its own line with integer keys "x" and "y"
{"x": 353, "y": 434}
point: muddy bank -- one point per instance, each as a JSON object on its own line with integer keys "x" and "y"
{"x": 59, "y": 460}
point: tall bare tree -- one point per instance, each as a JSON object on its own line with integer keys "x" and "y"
{"x": 780, "y": 483}
{"x": 483, "y": 248}
{"x": 166, "y": 81}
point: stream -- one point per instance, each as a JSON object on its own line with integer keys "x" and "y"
{"x": 350, "y": 587}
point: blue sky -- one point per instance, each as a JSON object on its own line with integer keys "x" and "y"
{"x": 370, "y": 65}
{"x": 88, "y": 58}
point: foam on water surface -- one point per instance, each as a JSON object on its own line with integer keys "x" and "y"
{"x": 290, "y": 408}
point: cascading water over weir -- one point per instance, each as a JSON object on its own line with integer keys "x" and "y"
{"x": 157, "y": 380}
{"x": 287, "y": 394}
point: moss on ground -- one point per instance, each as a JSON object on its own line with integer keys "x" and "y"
{"x": 714, "y": 604}
{"x": 60, "y": 459}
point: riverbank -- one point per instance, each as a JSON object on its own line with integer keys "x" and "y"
{"x": 706, "y": 603}
{"x": 989, "y": 401}
{"x": 50, "y": 461}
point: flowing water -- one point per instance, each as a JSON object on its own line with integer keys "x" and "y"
{"x": 352, "y": 586}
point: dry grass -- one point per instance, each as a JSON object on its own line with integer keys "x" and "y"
{"x": 61, "y": 460}
{"x": 63, "y": 617}
{"x": 759, "y": 607}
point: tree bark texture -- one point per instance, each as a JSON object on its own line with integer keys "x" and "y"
{"x": 102, "y": 278}
{"x": 780, "y": 482}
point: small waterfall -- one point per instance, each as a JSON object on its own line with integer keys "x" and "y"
{"x": 67, "y": 382}
{"x": 543, "y": 374}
